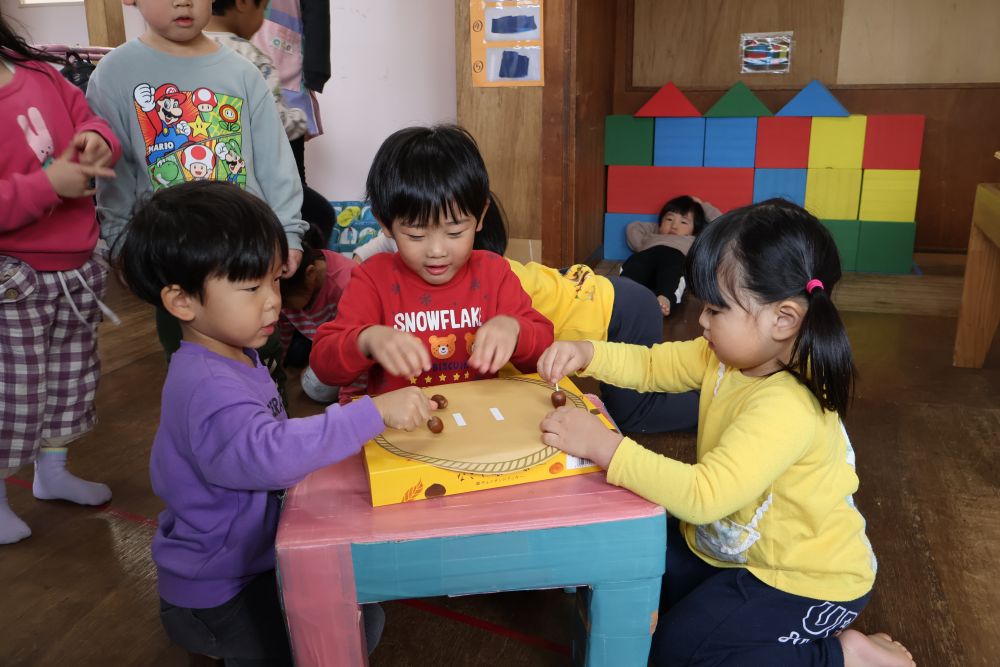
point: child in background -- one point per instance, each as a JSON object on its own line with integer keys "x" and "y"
{"x": 50, "y": 281}
{"x": 583, "y": 305}
{"x": 184, "y": 107}
{"x": 309, "y": 299}
{"x": 437, "y": 311}
{"x": 771, "y": 563}
{"x": 660, "y": 248}
{"x": 225, "y": 445}
{"x": 232, "y": 24}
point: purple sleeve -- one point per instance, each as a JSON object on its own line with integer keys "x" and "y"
{"x": 238, "y": 444}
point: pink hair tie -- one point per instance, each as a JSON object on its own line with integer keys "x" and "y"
{"x": 813, "y": 284}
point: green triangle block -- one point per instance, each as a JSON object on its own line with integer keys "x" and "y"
{"x": 738, "y": 102}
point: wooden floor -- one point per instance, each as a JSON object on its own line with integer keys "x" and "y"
{"x": 82, "y": 589}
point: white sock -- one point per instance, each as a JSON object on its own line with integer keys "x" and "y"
{"x": 12, "y": 529}
{"x": 54, "y": 482}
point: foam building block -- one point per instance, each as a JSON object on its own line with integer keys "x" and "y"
{"x": 615, "y": 247}
{"x": 738, "y": 102}
{"x": 646, "y": 189}
{"x": 833, "y": 193}
{"x": 813, "y": 100}
{"x": 788, "y": 184}
{"x": 889, "y": 195}
{"x": 893, "y": 142}
{"x": 837, "y": 143}
{"x": 885, "y": 247}
{"x": 667, "y": 101}
{"x": 783, "y": 143}
{"x": 628, "y": 140}
{"x": 845, "y": 234}
{"x": 730, "y": 142}
{"x": 679, "y": 142}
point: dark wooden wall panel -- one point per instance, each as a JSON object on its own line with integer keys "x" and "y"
{"x": 695, "y": 43}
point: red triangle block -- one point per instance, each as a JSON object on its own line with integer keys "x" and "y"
{"x": 668, "y": 102}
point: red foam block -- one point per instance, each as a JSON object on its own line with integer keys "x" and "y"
{"x": 893, "y": 142}
{"x": 783, "y": 142}
{"x": 668, "y": 101}
{"x": 646, "y": 189}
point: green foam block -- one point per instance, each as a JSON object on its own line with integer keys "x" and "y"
{"x": 628, "y": 140}
{"x": 886, "y": 247}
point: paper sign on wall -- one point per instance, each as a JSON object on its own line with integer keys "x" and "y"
{"x": 765, "y": 53}
{"x": 506, "y": 43}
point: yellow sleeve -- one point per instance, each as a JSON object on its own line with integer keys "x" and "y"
{"x": 673, "y": 367}
{"x": 762, "y": 442}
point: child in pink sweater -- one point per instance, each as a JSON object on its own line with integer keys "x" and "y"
{"x": 50, "y": 281}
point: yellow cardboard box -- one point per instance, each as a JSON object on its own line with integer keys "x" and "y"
{"x": 491, "y": 439}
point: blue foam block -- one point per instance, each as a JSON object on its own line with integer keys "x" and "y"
{"x": 788, "y": 184}
{"x": 813, "y": 100}
{"x": 679, "y": 142}
{"x": 615, "y": 247}
{"x": 730, "y": 142}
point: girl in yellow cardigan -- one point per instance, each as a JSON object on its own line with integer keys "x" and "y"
{"x": 769, "y": 563}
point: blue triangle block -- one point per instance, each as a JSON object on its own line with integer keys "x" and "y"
{"x": 813, "y": 100}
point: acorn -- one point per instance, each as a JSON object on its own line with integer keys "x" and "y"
{"x": 435, "y": 424}
{"x": 441, "y": 401}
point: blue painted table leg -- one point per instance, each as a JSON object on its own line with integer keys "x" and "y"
{"x": 618, "y": 635}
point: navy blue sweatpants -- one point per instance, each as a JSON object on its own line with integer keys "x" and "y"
{"x": 726, "y": 616}
{"x": 636, "y": 319}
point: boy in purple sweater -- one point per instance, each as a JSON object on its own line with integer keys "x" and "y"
{"x": 211, "y": 254}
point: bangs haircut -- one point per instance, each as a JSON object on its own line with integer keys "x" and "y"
{"x": 194, "y": 231}
{"x": 769, "y": 252}
{"x": 421, "y": 172}
{"x": 685, "y": 205}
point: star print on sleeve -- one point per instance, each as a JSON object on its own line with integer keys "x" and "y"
{"x": 443, "y": 377}
{"x": 425, "y": 299}
{"x": 456, "y": 377}
{"x": 413, "y": 380}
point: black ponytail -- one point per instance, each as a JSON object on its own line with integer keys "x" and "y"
{"x": 15, "y": 49}
{"x": 493, "y": 235}
{"x": 773, "y": 250}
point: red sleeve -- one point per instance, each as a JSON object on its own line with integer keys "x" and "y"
{"x": 85, "y": 120}
{"x": 335, "y": 357}
{"x": 536, "y": 331}
{"x": 25, "y": 198}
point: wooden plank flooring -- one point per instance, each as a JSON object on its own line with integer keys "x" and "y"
{"x": 82, "y": 590}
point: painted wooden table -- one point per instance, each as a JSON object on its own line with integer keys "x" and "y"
{"x": 336, "y": 551}
{"x": 979, "y": 312}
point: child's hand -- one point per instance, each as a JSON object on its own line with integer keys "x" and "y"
{"x": 495, "y": 342}
{"x": 580, "y": 433}
{"x": 292, "y": 265}
{"x": 71, "y": 179}
{"x": 563, "y": 358}
{"x": 405, "y": 409}
{"x": 92, "y": 149}
{"x": 400, "y": 353}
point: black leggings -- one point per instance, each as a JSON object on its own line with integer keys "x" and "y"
{"x": 659, "y": 268}
{"x": 726, "y": 616}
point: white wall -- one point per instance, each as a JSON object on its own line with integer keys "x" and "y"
{"x": 60, "y": 24}
{"x": 393, "y": 66}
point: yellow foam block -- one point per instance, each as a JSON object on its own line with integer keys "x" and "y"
{"x": 833, "y": 194}
{"x": 889, "y": 195}
{"x": 837, "y": 143}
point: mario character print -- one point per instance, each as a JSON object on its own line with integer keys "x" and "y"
{"x": 190, "y": 135}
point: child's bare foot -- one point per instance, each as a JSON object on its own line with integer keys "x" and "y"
{"x": 664, "y": 305}
{"x": 877, "y": 650}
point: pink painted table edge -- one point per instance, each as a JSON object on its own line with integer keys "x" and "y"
{"x": 331, "y": 510}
